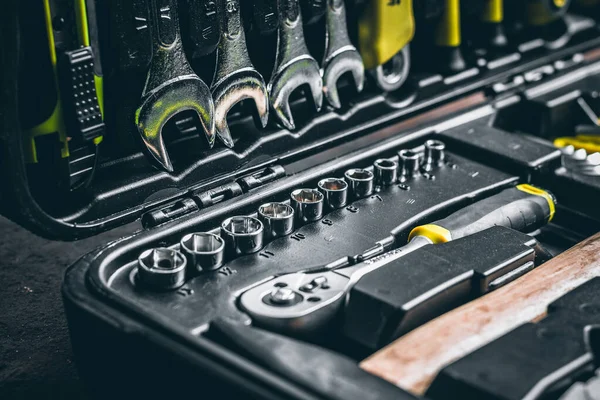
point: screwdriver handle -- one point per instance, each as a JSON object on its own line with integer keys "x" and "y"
{"x": 524, "y": 208}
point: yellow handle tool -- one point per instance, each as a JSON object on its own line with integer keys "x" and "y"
{"x": 385, "y": 28}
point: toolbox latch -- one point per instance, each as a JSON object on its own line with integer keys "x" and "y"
{"x": 169, "y": 213}
{"x": 257, "y": 179}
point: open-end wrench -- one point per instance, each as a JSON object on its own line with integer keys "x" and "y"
{"x": 235, "y": 77}
{"x": 340, "y": 55}
{"x": 294, "y": 66}
{"x": 171, "y": 85}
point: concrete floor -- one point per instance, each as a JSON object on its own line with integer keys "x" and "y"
{"x": 36, "y": 360}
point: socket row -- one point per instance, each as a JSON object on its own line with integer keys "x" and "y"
{"x": 166, "y": 268}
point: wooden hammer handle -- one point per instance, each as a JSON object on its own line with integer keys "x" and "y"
{"x": 413, "y": 361}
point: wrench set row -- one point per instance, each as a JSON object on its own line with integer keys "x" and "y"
{"x": 172, "y": 85}
{"x": 166, "y": 268}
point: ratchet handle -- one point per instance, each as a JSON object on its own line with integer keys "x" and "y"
{"x": 524, "y": 208}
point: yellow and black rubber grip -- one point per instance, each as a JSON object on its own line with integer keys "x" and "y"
{"x": 524, "y": 208}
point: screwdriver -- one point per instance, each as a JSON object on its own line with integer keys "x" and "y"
{"x": 304, "y": 303}
{"x": 385, "y": 29}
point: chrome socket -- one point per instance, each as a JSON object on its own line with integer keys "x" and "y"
{"x": 277, "y": 219}
{"x": 361, "y": 182}
{"x": 162, "y": 268}
{"x": 435, "y": 154}
{"x": 335, "y": 191}
{"x": 242, "y": 235}
{"x": 409, "y": 162}
{"x": 204, "y": 251}
{"x": 386, "y": 172}
{"x": 307, "y": 204}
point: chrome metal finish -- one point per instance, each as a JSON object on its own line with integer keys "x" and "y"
{"x": 235, "y": 77}
{"x": 277, "y": 218}
{"x": 323, "y": 294}
{"x": 242, "y": 235}
{"x": 204, "y": 251}
{"x": 340, "y": 55}
{"x": 161, "y": 269}
{"x": 409, "y": 164}
{"x": 392, "y": 75}
{"x": 360, "y": 181}
{"x": 435, "y": 154}
{"x": 294, "y": 66}
{"x": 171, "y": 86}
{"x": 335, "y": 192}
{"x": 386, "y": 172}
{"x": 307, "y": 204}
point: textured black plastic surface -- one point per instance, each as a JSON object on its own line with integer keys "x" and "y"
{"x": 422, "y": 285}
{"x": 341, "y": 235}
{"x": 535, "y": 358}
{"x": 327, "y": 373}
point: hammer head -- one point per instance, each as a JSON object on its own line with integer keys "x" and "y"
{"x": 346, "y": 60}
{"x": 187, "y": 92}
{"x": 303, "y": 70}
{"x": 243, "y": 84}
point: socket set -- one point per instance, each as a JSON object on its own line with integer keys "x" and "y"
{"x": 309, "y": 184}
{"x": 168, "y": 268}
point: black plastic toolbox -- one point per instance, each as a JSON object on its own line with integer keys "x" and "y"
{"x": 497, "y": 119}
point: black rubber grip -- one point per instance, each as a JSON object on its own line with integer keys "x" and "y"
{"x": 515, "y": 208}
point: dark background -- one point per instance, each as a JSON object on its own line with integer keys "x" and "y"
{"x": 36, "y": 361}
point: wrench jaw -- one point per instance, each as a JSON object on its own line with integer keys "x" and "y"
{"x": 243, "y": 85}
{"x": 159, "y": 105}
{"x": 343, "y": 62}
{"x": 301, "y": 71}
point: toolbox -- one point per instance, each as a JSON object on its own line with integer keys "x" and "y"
{"x": 307, "y": 182}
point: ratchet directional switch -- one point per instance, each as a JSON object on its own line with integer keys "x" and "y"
{"x": 235, "y": 77}
{"x": 171, "y": 85}
{"x": 385, "y": 29}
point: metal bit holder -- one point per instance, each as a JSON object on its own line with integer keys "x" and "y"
{"x": 386, "y": 172}
{"x": 360, "y": 181}
{"x": 242, "y": 235}
{"x": 204, "y": 251}
{"x": 161, "y": 269}
{"x": 307, "y": 204}
{"x": 335, "y": 192}
{"x": 277, "y": 218}
{"x": 235, "y": 77}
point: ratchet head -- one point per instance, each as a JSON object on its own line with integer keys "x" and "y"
{"x": 235, "y": 78}
{"x": 182, "y": 93}
{"x": 294, "y": 66}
